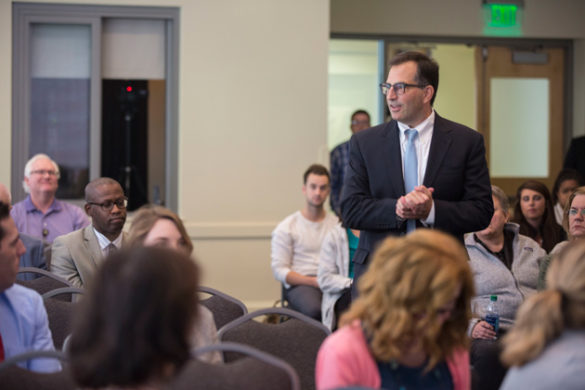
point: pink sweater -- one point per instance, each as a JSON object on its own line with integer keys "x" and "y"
{"x": 345, "y": 360}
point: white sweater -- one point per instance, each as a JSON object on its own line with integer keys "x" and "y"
{"x": 296, "y": 243}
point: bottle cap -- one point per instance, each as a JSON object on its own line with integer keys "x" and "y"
{"x": 493, "y": 298}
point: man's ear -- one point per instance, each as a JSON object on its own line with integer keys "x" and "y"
{"x": 429, "y": 93}
{"x": 87, "y": 207}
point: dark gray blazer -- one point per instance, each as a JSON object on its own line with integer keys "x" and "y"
{"x": 456, "y": 169}
{"x": 34, "y": 256}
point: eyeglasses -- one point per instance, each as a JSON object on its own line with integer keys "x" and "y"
{"x": 356, "y": 122}
{"x": 399, "y": 88}
{"x": 573, "y": 212}
{"x": 109, "y": 205}
{"x": 44, "y": 172}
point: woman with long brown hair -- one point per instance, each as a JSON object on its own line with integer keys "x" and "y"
{"x": 535, "y": 214}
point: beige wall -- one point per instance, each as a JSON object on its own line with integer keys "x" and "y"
{"x": 560, "y": 19}
{"x": 252, "y": 117}
{"x": 253, "y": 108}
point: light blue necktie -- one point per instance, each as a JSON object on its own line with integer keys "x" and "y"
{"x": 410, "y": 170}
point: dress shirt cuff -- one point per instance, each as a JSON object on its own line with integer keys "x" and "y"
{"x": 430, "y": 221}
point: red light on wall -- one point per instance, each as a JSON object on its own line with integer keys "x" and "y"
{"x": 129, "y": 88}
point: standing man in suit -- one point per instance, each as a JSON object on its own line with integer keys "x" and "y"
{"x": 418, "y": 170}
{"x": 77, "y": 255}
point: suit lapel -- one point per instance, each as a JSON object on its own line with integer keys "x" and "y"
{"x": 439, "y": 146}
{"x": 393, "y": 169}
{"x": 91, "y": 245}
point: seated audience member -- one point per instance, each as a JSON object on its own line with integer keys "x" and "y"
{"x": 77, "y": 255}
{"x": 574, "y": 224}
{"x": 505, "y": 264}
{"x": 296, "y": 243}
{"x": 546, "y": 346}
{"x": 40, "y": 214}
{"x": 23, "y": 319}
{"x": 407, "y": 328}
{"x": 534, "y": 212}
{"x": 565, "y": 184}
{"x": 158, "y": 226}
{"x": 335, "y": 273}
{"x": 34, "y": 255}
{"x": 339, "y": 159}
{"x": 133, "y": 325}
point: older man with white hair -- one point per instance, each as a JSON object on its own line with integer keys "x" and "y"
{"x": 40, "y": 214}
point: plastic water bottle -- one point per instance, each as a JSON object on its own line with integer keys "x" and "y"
{"x": 492, "y": 316}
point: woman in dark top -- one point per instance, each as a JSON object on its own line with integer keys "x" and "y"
{"x": 534, "y": 212}
{"x": 135, "y": 321}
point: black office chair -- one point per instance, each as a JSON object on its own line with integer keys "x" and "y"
{"x": 60, "y": 313}
{"x": 224, "y": 307}
{"x": 296, "y": 340}
{"x": 46, "y": 281}
{"x": 14, "y": 377}
{"x": 255, "y": 370}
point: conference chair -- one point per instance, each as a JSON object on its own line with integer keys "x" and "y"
{"x": 255, "y": 370}
{"x": 296, "y": 340}
{"x": 46, "y": 281}
{"x": 60, "y": 313}
{"x": 224, "y": 307}
{"x": 14, "y": 377}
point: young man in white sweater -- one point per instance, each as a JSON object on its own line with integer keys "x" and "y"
{"x": 296, "y": 243}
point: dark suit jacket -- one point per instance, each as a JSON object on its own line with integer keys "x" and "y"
{"x": 456, "y": 169}
{"x": 34, "y": 256}
{"x": 575, "y": 157}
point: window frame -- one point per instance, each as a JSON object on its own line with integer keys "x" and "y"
{"x": 25, "y": 14}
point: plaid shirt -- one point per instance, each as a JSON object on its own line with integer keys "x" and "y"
{"x": 339, "y": 160}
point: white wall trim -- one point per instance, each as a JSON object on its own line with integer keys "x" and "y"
{"x": 224, "y": 230}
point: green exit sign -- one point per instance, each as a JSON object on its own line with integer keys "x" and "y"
{"x": 503, "y": 15}
{"x": 502, "y": 20}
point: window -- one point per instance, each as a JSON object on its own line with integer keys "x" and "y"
{"x": 83, "y": 95}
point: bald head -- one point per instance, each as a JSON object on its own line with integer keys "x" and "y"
{"x": 92, "y": 189}
{"x": 106, "y": 205}
{"x": 5, "y": 195}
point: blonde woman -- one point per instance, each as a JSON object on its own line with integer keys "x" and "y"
{"x": 546, "y": 347}
{"x": 574, "y": 225}
{"x": 158, "y": 226}
{"x": 407, "y": 328}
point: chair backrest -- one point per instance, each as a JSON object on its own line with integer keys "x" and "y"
{"x": 296, "y": 340}
{"x": 44, "y": 283}
{"x": 256, "y": 370}
{"x": 60, "y": 314}
{"x": 225, "y": 308}
{"x": 14, "y": 377}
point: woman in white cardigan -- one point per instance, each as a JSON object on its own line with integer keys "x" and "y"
{"x": 335, "y": 274}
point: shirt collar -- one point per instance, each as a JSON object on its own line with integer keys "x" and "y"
{"x": 104, "y": 242}
{"x": 423, "y": 127}
{"x": 30, "y": 207}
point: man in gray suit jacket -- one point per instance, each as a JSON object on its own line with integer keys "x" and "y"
{"x": 76, "y": 256}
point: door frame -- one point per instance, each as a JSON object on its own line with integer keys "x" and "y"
{"x": 513, "y": 42}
